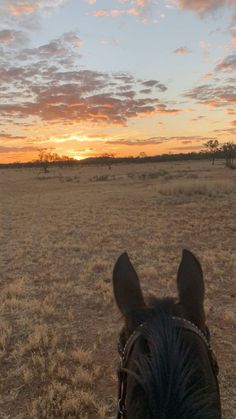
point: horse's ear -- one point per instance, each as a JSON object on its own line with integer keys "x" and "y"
{"x": 191, "y": 287}
{"x": 126, "y": 286}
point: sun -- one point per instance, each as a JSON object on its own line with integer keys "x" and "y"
{"x": 77, "y": 156}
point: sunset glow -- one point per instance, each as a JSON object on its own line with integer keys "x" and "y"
{"x": 87, "y": 77}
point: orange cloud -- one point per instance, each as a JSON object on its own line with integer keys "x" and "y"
{"x": 230, "y": 111}
{"x": 162, "y": 109}
{"x": 101, "y": 13}
{"x": 29, "y": 7}
{"x": 4, "y": 149}
{"x": 22, "y": 9}
{"x": 116, "y": 12}
{"x": 138, "y": 8}
{"x": 5, "y": 136}
{"x": 204, "y": 6}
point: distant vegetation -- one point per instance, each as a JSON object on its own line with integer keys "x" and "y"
{"x": 212, "y": 147}
{"x": 47, "y": 157}
{"x": 212, "y": 151}
{"x": 227, "y": 149}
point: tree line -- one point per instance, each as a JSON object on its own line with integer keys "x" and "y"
{"x": 212, "y": 150}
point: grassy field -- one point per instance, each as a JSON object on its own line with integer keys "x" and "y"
{"x": 60, "y": 235}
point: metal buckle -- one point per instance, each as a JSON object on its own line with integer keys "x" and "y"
{"x": 120, "y": 407}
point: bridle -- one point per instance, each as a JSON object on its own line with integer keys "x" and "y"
{"x": 125, "y": 352}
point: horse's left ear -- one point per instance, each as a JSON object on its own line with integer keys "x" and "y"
{"x": 191, "y": 287}
{"x": 126, "y": 286}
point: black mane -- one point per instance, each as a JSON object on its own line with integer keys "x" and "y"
{"x": 166, "y": 372}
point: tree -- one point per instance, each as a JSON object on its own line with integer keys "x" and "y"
{"x": 107, "y": 159}
{"x": 212, "y": 146}
{"x": 229, "y": 150}
{"x": 142, "y": 154}
{"x": 46, "y": 157}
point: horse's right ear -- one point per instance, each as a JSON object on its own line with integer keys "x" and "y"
{"x": 191, "y": 287}
{"x": 126, "y": 286}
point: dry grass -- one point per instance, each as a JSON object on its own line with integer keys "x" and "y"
{"x": 59, "y": 240}
{"x": 189, "y": 188}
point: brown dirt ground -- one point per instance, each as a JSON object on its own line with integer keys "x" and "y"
{"x": 60, "y": 235}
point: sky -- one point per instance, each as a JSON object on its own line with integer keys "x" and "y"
{"x": 86, "y": 77}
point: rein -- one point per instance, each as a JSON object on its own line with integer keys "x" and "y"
{"x": 127, "y": 349}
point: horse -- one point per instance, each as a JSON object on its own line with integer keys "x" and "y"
{"x": 168, "y": 369}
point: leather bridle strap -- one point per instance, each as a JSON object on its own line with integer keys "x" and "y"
{"x": 122, "y": 372}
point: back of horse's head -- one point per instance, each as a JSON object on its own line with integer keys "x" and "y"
{"x": 169, "y": 368}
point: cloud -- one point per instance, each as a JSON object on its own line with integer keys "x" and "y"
{"x": 198, "y": 118}
{"x": 231, "y": 111}
{"x": 63, "y": 49}
{"x": 27, "y": 13}
{"x": 232, "y": 45}
{"x": 227, "y": 64}
{"x": 138, "y": 8}
{"x": 225, "y": 131}
{"x": 192, "y": 138}
{"x": 182, "y": 51}
{"x": 29, "y": 7}
{"x": 136, "y": 141}
{"x": 233, "y": 32}
{"x": 4, "y": 136}
{"x": 158, "y": 140}
{"x": 146, "y": 91}
{"x": 185, "y": 148}
{"x": 214, "y": 96}
{"x": 208, "y": 75}
{"x": 12, "y": 37}
{"x": 40, "y": 85}
{"x": 7, "y": 149}
{"x": 18, "y": 9}
{"x": 45, "y": 91}
{"x": 116, "y": 12}
{"x": 162, "y": 109}
{"x": 155, "y": 83}
{"x": 203, "y": 7}
{"x": 144, "y": 8}
{"x": 150, "y": 83}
